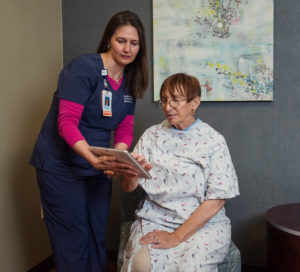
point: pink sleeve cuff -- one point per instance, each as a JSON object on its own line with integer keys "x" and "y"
{"x": 124, "y": 132}
{"x": 68, "y": 119}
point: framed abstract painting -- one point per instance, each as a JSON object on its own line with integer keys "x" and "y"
{"x": 226, "y": 44}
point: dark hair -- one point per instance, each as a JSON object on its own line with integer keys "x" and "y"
{"x": 137, "y": 71}
{"x": 186, "y": 85}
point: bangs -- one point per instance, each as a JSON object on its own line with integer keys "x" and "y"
{"x": 173, "y": 88}
{"x": 185, "y": 85}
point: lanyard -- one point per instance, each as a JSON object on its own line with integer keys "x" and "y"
{"x": 106, "y": 96}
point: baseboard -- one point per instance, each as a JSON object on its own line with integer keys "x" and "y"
{"x": 45, "y": 265}
{"x": 250, "y": 268}
{"x": 48, "y": 263}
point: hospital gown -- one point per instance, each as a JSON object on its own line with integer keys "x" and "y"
{"x": 189, "y": 167}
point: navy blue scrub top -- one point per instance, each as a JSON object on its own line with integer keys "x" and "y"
{"x": 81, "y": 82}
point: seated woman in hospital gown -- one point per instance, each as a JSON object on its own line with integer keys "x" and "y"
{"x": 182, "y": 224}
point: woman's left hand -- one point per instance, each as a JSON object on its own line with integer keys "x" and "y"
{"x": 160, "y": 239}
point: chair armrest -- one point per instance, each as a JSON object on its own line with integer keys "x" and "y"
{"x": 124, "y": 236}
{"x": 232, "y": 261}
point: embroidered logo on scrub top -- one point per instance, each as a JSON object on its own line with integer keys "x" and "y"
{"x": 127, "y": 98}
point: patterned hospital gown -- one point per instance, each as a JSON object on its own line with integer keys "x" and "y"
{"x": 189, "y": 167}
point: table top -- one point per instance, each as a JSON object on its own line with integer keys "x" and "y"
{"x": 286, "y": 218}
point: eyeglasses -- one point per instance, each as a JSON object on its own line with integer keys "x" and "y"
{"x": 174, "y": 103}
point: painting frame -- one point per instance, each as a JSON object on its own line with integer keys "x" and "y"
{"x": 228, "y": 45}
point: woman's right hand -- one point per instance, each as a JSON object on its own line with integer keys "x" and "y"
{"x": 129, "y": 183}
{"x": 132, "y": 173}
{"x": 142, "y": 161}
{"x": 102, "y": 162}
{"x": 110, "y": 165}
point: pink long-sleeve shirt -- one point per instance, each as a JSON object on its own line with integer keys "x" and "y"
{"x": 70, "y": 114}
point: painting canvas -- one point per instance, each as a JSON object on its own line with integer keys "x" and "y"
{"x": 226, "y": 44}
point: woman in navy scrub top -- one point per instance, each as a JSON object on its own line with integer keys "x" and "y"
{"x": 75, "y": 193}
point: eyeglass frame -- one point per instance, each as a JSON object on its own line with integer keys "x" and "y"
{"x": 170, "y": 102}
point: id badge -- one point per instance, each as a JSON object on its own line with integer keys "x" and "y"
{"x": 107, "y": 103}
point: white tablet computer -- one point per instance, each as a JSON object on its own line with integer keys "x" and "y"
{"x": 122, "y": 156}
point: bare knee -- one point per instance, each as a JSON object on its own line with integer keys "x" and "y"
{"x": 141, "y": 261}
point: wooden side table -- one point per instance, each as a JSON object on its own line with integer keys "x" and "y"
{"x": 283, "y": 238}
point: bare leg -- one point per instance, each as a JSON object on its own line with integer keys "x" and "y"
{"x": 141, "y": 261}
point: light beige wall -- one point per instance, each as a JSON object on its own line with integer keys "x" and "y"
{"x": 30, "y": 60}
